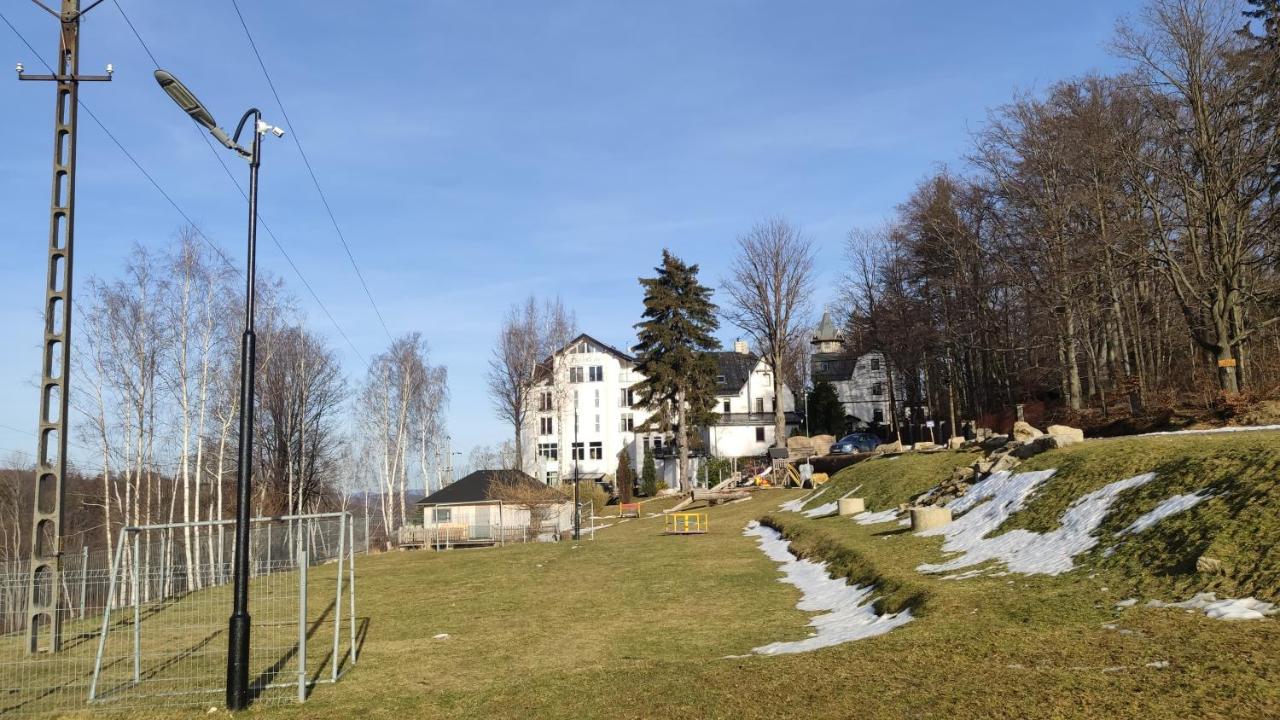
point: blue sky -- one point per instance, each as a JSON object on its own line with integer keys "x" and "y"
{"x": 476, "y": 152}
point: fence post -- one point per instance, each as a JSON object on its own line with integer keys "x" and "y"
{"x": 302, "y": 624}
{"x": 84, "y": 577}
{"x": 337, "y": 600}
{"x": 106, "y": 614}
{"x": 268, "y": 547}
{"x": 351, "y": 591}
{"x": 137, "y": 613}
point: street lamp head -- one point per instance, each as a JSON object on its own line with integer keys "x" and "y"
{"x": 185, "y": 99}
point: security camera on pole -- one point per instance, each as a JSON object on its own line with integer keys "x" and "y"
{"x": 238, "y": 635}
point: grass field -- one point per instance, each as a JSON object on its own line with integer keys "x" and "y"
{"x": 636, "y": 624}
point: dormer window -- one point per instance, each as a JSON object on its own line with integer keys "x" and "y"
{"x": 720, "y": 379}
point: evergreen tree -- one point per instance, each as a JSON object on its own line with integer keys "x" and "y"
{"x": 675, "y": 339}
{"x": 648, "y": 475}
{"x": 624, "y": 477}
{"x": 826, "y": 413}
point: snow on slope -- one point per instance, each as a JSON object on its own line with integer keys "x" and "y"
{"x": 1021, "y": 550}
{"x": 1171, "y": 506}
{"x": 1213, "y": 431}
{"x": 827, "y": 508}
{"x": 795, "y": 505}
{"x": 847, "y": 610}
{"x": 874, "y": 518}
{"x": 1228, "y": 609}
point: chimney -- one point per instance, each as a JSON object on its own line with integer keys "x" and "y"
{"x": 740, "y": 347}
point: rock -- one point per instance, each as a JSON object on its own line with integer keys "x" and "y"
{"x": 995, "y": 442}
{"x": 1072, "y": 435}
{"x": 1035, "y": 447}
{"x": 1024, "y": 432}
{"x": 955, "y": 443}
{"x": 889, "y": 448}
{"x": 926, "y": 445}
{"x": 1208, "y": 565}
{"x": 799, "y": 443}
{"x": 1006, "y": 462}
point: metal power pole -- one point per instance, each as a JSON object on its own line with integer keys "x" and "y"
{"x": 44, "y": 623}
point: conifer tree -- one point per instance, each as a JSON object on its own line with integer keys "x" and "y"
{"x": 675, "y": 339}
{"x": 826, "y": 413}
{"x": 648, "y": 475}
{"x": 624, "y": 477}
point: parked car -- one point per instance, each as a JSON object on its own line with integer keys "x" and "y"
{"x": 855, "y": 443}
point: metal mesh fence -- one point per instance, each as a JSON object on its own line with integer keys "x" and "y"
{"x": 147, "y": 625}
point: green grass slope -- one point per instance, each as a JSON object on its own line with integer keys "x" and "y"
{"x": 886, "y": 482}
{"x": 1239, "y": 524}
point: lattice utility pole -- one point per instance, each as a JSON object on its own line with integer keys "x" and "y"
{"x": 44, "y": 622}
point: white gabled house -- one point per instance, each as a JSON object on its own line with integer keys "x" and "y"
{"x": 745, "y": 405}
{"x": 592, "y": 384}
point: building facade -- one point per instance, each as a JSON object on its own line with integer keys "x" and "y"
{"x": 861, "y": 382}
{"x": 745, "y": 405}
{"x": 585, "y": 409}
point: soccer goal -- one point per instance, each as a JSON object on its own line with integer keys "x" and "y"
{"x": 163, "y": 636}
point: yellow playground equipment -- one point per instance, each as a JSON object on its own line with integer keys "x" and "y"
{"x": 686, "y": 523}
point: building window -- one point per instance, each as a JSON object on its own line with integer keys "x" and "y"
{"x": 442, "y": 515}
{"x": 759, "y": 434}
{"x": 550, "y": 451}
{"x": 877, "y": 415}
{"x": 644, "y": 441}
{"x": 597, "y": 423}
{"x": 628, "y": 423}
{"x": 553, "y": 477}
{"x": 877, "y": 389}
{"x": 546, "y": 425}
{"x": 759, "y": 405}
{"x": 577, "y": 452}
{"x": 597, "y": 451}
{"x": 726, "y": 407}
{"x": 720, "y": 379}
{"x": 575, "y": 374}
{"x": 657, "y": 443}
{"x": 875, "y": 363}
{"x": 597, "y": 398}
{"x": 544, "y": 401}
{"x": 596, "y": 373}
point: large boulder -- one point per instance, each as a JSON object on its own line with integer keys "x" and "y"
{"x": 1066, "y": 434}
{"x": 955, "y": 442}
{"x": 1035, "y": 447}
{"x": 799, "y": 444}
{"x": 1024, "y": 432}
{"x": 1005, "y": 462}
{"x": 924, "y": 445}
{"x": 890, "y": 447}
{"x": 822, "y": 444}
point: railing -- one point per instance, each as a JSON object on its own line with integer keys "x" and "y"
{"x": 686, "y": 523}
{"x": 446, "y": 535}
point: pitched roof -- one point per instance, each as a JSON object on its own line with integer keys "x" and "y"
{"x": 735, "y": 369}
{"x": 477, "y": 486}
{"x": 827, "y": 331}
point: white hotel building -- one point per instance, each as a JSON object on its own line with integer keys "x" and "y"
{"x": 590, "y": 384}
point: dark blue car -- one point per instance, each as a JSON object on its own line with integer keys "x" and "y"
{"x": 855, "y": 443}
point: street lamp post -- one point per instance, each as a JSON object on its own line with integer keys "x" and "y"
{"x": 239, "y": 625}
{"x": 577, "y": 509}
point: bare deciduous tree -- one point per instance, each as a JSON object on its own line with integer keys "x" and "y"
{"x": 770, "y": 283}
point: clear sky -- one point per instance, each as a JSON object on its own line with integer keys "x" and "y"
{"x": 476, "y": 152}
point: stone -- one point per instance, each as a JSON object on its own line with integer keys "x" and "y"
{"x": 851, "y": 506}
{"x": 1208, "y": 565}
{"x": 925, "y": 445}
{"x": 924, "y": 518}
{"x": 1024, "y": 432}
{"x": 1005, "y": 462}
{"x": 955, "y": 443}
{"x": 1034, "y": 447}
{"x": 1066, "y": 434}
{"x": 889, "y": 448}
{"x": 995, "y": 442}
{"x": 982, "y": 467}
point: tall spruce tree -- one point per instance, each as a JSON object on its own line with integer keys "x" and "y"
{"x": 826, "y": 414}
{"x": 675, "y": 339}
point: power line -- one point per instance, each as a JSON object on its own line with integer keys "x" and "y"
{"x": 297, "y": 140}
{"x": 173, "y": 203}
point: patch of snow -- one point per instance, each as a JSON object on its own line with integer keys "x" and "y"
{"x": 847, "y": 610}
{"x": 874, "y": 518}
{"x": 905, "y": 522}
{"x": 1228, "y": 609}
{"x": 1213, "y": 431}
{"x": 1171, "y": 506}
{"x": 441, "y": 636}
{"x": 823, "y": 509}
{"x": 1021, "y": 550}
{"x": 795, "y": 505}
{"x": 964, "y": 575}
{"x": 1127, "y": 603}
{"x": 1158, "y": 664}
